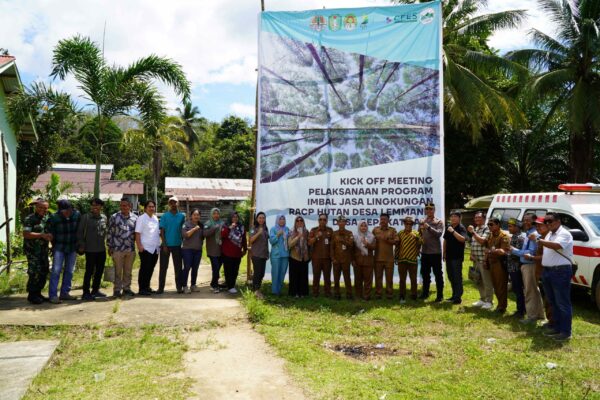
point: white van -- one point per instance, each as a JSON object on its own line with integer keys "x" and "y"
{"x": 579, "y": 208}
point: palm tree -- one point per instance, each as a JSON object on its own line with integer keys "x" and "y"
{"x": 111, "y": 89}
{"x": 471, "y": 101}
{"x": 568, "y": 69}
{"x": 189, "y": 116}
{"x": 156, "y": 131}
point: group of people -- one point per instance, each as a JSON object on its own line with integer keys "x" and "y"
{"x": 93, "y": 235}
{"x": 537, "y": 248}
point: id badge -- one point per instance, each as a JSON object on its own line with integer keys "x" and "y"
{"x": 343, "y": 247}
{"x": 326, "y": 241}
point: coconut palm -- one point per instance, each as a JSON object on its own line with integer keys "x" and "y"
{"x": 156, "y": 132}
{"x": 190, "y": 118}
{"x": 568, "y": 68}
{"x": 113, "y": 90}
{"x": 471, "y": 101}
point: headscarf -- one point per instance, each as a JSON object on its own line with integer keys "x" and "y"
{"x": 280, "y": 228}
{"x": 236, "y": 235}
{"x": 211, "y": 223}
{"x": 358, "y": 237}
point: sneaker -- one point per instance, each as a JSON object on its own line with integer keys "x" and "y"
{"x": 479, "y": 303}
{"x": 259, "y": 295}
{"x": 457, "y": 301}
{"x": 87, "y": 297}
{"x": 527, "y": 321}
{"x": 55, "y": 300}
{"x": 195, "y": 288}
{"x": 450, "y": 300}
{"x": 402, "y": 301}
{"x": 67, "y": 297}
{"x": 562, "y": 337}
{"x": 187, "y": 290}
{"x": 33, "y": 299}
{"x": 159, "y": 291}
{"x": 117, "y": 293}
{"x": 145, "y": 293}
{"x": 128, "y": 292}
{"x": 216, "y": 290}
{"x": 552, "y": 334}
{"x": 98, "y": 294}
{"x": 232, "y": 291}
{"x": 487, "y": 306}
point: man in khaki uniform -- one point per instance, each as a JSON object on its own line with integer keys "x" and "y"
{"x": 319, "y": 239}
{"x": 342, "y": 244}
{"x": 386, "y": 237}
{"x": 497, "y": 246}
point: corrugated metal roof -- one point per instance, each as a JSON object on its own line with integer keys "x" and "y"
{"x": 208, "y": 189}
{"x": 82, "y": 167}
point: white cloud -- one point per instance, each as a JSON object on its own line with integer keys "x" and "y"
{"x": 243, "y": 110}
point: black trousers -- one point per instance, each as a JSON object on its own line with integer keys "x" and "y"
{"x": 259, "y": 265}
{"x": 298, "y": 276}
{"x": 432, "y": 262}
{"x": 94, "y": 266}
{"x": 232, "y": 268}
{"x": 174, "y": 251}
{"x": 147, "y": 264}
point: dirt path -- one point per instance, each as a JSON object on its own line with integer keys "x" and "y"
{"x": 229, "y": 360}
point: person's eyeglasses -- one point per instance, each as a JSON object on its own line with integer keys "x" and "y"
{"x": 548, "y": 221}
{"x": 491, "y": 224}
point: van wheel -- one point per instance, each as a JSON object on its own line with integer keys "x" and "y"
{"x": 597, "y": 295}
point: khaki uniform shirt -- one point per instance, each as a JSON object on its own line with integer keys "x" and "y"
{"x": 321, "y": 246}
{"x": 384, "y": 251}
{"x": 342, "y": 244}
{"x": 501, "y": 241}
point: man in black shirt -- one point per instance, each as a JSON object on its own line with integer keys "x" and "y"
{"x": 454, "y": 253}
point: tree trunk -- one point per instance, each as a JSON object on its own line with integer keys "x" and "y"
{"x": 581, "y": 156}
{"x": 98, "y": 155}
{"x": 156, "y": 168}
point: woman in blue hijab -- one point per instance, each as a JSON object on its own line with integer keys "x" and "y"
{"x": 278, "y": 236}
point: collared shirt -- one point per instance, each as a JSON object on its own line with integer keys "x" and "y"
{"x": 529, "y": 247}
{"x": 195, "y": 241}
{"x": 342, "y": 244}
{"x": 516, "y": 241}
{"x": 384, "y": 250}
{"x": 409, "y": 244}
{"x": 279, "y": 247}
{"x": 171, "y": 224}
{"x": 121, "y": 232}
{"x": 148, "y": 228}
{"x": 552, "y": 258}
{"x": 431, "y": 236}
{"x": 260, "y": 247}
{"x": 35, "y": 223}
{"x": 91, "y": 234}
{"x": 477, "y": 249}
{"x": 500, "y": 241}
{"x": 64, "y": 231}
{"x": 321, "y": 246}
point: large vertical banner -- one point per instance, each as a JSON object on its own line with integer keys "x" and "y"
{"x": 350, "y": 113}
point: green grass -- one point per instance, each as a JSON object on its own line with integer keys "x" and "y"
{"x": 112, "y": 362}
{"x": 436, "y": 351}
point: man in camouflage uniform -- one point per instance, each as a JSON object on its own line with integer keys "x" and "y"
{"x": 35, "y": 247}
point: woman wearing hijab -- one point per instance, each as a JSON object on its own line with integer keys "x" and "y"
{"x": 278, "y": 236}
{"x": 259, "y": 242}
{"x": 191, "y": 251}
{"x": 298, "y": 246}
{"x": 364, "y": 260}
{"x": 212, "y": 233}
{"x": 233, "y": 248}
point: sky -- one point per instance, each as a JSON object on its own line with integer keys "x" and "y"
{"x": 215, "y": 41}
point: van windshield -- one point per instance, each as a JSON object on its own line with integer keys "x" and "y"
{"x": 594, "y": 221}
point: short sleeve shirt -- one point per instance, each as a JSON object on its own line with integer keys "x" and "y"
{"x": 384, "y": 251}
{"x": 321, "y": 246}
{"x": 149, "y": 231}
{"x": 260, "y": 247}
{"x": 552, "y": 258}
{"x": 172, "y": 223}
{"x": 408, "y": 247}
{"x": 477, "y": 249}
{"x": 455, "y": 249}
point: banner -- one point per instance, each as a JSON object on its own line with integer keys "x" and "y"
{"x": 350, "y": 114}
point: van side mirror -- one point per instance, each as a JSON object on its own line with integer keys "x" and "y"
{"x": 579, "y": 235}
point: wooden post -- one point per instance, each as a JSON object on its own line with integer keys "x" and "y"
{"x": 249, "y": 271}
{"x": 6, "y": 213}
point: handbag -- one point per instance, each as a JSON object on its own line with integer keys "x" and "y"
{"x": 474, "y": 274}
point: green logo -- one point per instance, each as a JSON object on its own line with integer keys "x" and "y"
{"x": 335, "y": 22}
{"x": 350, "y": 22}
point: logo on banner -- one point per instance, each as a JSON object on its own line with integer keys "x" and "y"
{"x": 317, "y": 23}
{"x": 405, "y": 18}
{"x": 365, "y": 21}
{"x": 350, "y": 22}
{"x": 427, "y": 16}
{"x": 335, "y": 22}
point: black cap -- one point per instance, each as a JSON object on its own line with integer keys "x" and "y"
{"x": 64, "y": 205}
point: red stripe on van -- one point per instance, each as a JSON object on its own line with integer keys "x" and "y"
{"x": 582, "y": 279}
{"x": 540, "y": 198}
{"x": 574, "y": 279}
{"x": 520, "y": 199}
{"x": 586, "y": 251}
{"x": 547, "y": 198}
{"x": 554, "y": 198}
{"x": 526, "y": 199}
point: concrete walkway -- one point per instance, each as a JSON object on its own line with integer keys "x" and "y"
{"x": 20, "y": 362}
{"x": 245, "y": 366}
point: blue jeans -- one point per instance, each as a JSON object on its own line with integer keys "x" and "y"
{"x": 518, "y": 289}
{"x": 557, "y": 285}
{"x": 454, "y": 271}
{"x": 279, "y": 266}
{"x": 191, "y": 261}
{"x": 215, "y": 263}
{"x": 68, "y": 260}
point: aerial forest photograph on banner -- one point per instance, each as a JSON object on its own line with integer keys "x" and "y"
{"x": 350, "y": 106}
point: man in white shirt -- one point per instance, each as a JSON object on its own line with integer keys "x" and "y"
{"x": 147, "y": 238}
{"x": 556, "y": 277}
